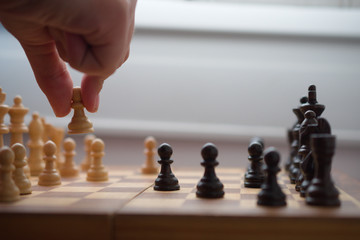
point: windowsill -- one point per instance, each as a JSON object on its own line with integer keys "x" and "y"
{"x": 248, "y": 18}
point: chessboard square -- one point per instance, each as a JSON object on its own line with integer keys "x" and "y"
{"x": 231, "y": 196}
{"x": 47, "y": 201}
{"x": 101, "y": 205}
{"x": 111, "y": 195}
{"x": 252, "y": 197}
{"x": 293, "y": 191}
{"x": 232, "y": 185}
{"x": 137, "y": 180}
{"x": 297, "y": 197}
{"x": 290, "y": 186}
{"x": 125, "y": 189}
{"x": 232, "y": 190}
{"x": 76, "y": 189}
{"x": 230, "y": 179}
{"x": 63, "y": 194}
{"x": 206, "y": 205}
{"x": 38, "y": 188}
{"x": 156, "y": 203}
{"x": 291, "y": 203}
{"x": 248, "y": 203}
{"x": 142, "y": 177}
{"x": 164, "y": 195}
{"x": 131, "y": 184}
{"x": 188, "y": 181}
{"x": 88, "y": 184}
{"x": 187, "y": 185}
{"x": 184, "y": 174}
{"x": 33, "y": 194}
{"x": 245, "y": 190}
{"x": 286, "y": 191}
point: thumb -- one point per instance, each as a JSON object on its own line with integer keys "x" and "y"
{"x": 90, "y": 89}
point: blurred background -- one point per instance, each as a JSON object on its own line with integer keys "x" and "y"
{"x": 221, "y": 71}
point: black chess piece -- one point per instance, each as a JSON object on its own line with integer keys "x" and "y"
{"x": 312, "y": 103}
{"x": 209, "y": 185}
{"x": 294, "y": 168}
{"x": 290, "y": 138}
{"x": 271, "y": 193}
{"x": 290, "y": 134}
{"x": 321, "y": 190}
{"x": 254, "y": 175}
{"x": 309, "y": 126}
{"x": 166, "y": 180}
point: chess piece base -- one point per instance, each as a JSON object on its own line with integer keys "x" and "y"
{"x": 210, "y": 189}
{"x": 166, "y": 183}
{"x": 210, "y": 194}
{"x": 72, "y": 172}
{"x": 9, "y": 194}
{"x": 271, "y": 199}
{"x": 322, "y": 194}
{"x": 167, "y": 188}
{"x": 97, "y": 176}
{"x": 253, "y": 181}
{"x": 78, "y": 131}
{"x": 49, "y": 179}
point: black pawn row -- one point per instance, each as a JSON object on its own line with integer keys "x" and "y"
{"x": 209, "y": 185}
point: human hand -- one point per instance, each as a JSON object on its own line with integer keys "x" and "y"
{"x": 93, "y": 36}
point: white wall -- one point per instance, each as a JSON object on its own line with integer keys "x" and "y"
{"x": 193, "y": 82}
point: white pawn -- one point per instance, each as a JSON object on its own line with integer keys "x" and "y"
{"x": 21, "y": 180}
{"x": 97, "y": 170}
{"x": 50, "y": 176}
{"x": 9, "y": 192}
{"x": 150, "y": 152}
{"x": 85, "y": 165}
{"x": 35, "y": 144}
{"x": 79, "y": 122}
{"x": 68, "y": 168}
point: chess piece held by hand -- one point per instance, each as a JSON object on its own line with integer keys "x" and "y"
{"x": 79, "y": 122}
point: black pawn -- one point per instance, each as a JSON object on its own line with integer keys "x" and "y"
{"x": 209, "y": 185}
{"x": 271, "y": 193}
{"x": 322, "y": 191}
{"x": 166, "y": 180}
{"x": 254, "y": 176}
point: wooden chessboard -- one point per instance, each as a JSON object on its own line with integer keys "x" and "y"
{"x": 127, "y": 207}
